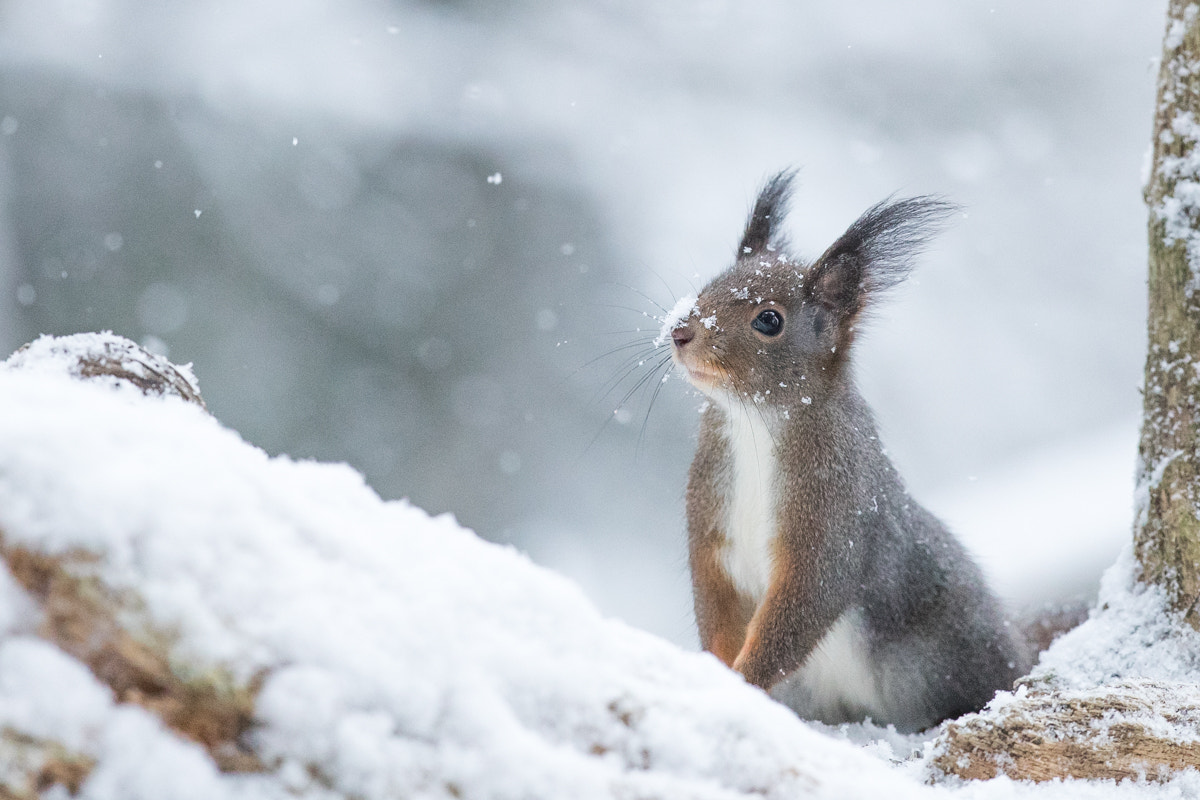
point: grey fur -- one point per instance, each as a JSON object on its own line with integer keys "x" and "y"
{"x": 847, "y": 541}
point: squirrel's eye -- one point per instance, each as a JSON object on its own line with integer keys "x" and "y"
{"x": 768, "y": 323}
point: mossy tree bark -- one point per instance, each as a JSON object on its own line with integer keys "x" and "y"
{"x": 1167, "y": 526}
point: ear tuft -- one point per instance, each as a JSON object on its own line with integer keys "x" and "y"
{"x": 876, "y": 252}
{"x": 762, "y": 229}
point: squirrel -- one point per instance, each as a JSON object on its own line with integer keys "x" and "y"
{"x": 815, "y": 575}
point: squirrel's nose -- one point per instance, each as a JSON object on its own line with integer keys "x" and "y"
{"x": 682, "y": 336}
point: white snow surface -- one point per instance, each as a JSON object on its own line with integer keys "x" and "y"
{"x": 1130, "y": 634}
{"x": 403, "y": 656}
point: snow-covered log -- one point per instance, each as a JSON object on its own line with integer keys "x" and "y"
{"x": 1115, "y": 698}
{"x": 183, "y": 616}
{"x": 1129, "y": 729}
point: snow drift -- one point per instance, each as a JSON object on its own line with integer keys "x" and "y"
{"x": 183, "y": 616}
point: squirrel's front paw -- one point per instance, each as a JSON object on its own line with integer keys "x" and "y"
{"x": 756, "y": 672}
{"x": 739, "y": 662}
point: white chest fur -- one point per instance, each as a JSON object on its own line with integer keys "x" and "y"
{"x": 838, "y": 681}
{"x": 750, "y": 528}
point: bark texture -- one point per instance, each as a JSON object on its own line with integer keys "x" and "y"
{"x": 30, "y": 766}
{"x": 115, "y": 359}
{"x": 101, "y": 628}
{"x": 1167, "y": 526}
{"x": 1130, "y": 729}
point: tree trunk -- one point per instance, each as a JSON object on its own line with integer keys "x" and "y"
{"x": 1130, "y": 728}
{"x": 1167, "y": 527}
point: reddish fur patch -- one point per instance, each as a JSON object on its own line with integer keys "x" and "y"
{"x": 720, "y": 611}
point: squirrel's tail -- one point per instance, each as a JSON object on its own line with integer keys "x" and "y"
{"x": 1040, "y": 626}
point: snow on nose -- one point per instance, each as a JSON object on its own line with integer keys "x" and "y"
{"x": 676, "y": 318}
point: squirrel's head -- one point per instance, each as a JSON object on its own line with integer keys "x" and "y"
{"x": 774, "y": 329}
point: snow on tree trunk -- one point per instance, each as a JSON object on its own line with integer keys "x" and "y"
{"x": 1167, "y": 524}
{"x": 1132, "y": 711}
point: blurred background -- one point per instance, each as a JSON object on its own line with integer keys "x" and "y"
{"x": 400, "y": 233}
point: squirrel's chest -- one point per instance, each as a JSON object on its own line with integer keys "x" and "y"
{"x": 751, "y": 500}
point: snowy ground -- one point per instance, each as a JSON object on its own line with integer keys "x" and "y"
{"x": 390, "y": 654}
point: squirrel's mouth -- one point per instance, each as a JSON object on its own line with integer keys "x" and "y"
{"x": 704, "y": 376}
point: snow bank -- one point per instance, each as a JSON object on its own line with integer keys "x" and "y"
{"x": 1131, "y": 634}
{"x": 388, "y": 653}
{"x": 385, "y": 653}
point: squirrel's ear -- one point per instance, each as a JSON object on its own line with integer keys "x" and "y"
{"x": 762, "y": 229}
{"x": 875, "y": 253}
